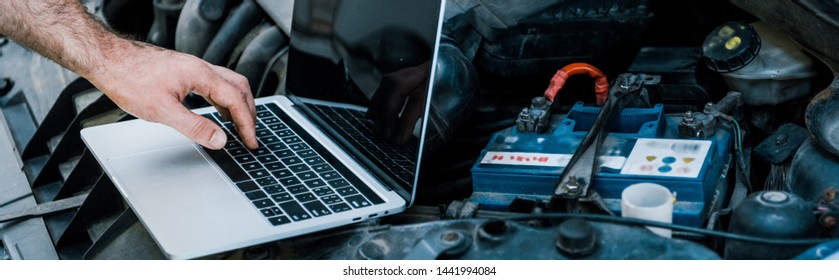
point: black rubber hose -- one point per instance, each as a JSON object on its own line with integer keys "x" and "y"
{"x": 258, "y": 54}
{"x": 242, "y": 19}
{"x": 641, "y": 222}
{"x": 197, "y": 25}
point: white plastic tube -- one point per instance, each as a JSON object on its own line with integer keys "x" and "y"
{"x": 648, "y": 201}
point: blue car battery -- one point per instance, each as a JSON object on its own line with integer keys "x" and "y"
{"x": 642, "y": 145}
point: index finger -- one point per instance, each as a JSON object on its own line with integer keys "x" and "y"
{"x": 223, "y": 93}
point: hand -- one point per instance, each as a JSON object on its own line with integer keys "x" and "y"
{"x": 150, "y": 83}
{"x": 399, "y": 102}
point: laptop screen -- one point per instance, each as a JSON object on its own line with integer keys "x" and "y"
{"x": 362, "y": 68}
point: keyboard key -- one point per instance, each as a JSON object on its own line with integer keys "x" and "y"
{"x": 282, "y": 197}
{"x": 232, "y": 144}
{"x": 238, "y": 152}
{"x": 261, "y": 107}
{"x": 316, "y": 208}
{"x": 267, "y": 159}
{"x": 314, "y": 160}
{"x": 307, "y": 175}
{"x": 292, "y": 140}
{"x": 277, "y": 126}
{"x": 289, "y": 181}
{"x": 267, "y": 212}
{"x": 331, "y": 175}
{"x": 269, "y": 139}
{"x": 306, "y": 154}
{"x": 323, "y": 191}
{"x": 273, "y": 189}
{"x": 357, "y": 201}
{"x": 264, "y": 114}
{"x": 337, "y": 183}
{"x": 255, "y": 195}
{"x": 346, "y": 191}
{"x": 269, "y": 121}
{"x": 244, "y": 158}
{"x": 299, "y": 168}
{"x": 294, "y": 211}
{"x": 247, "y": 186}
{"x": 266, "y": 181}
{"x": 305, "y": 197}
{"x": 280, "y": 220}
{"x": 274, "y": 166}
{"x": 297, "y": 189}
{"x": 285, "y": 133}
{"x": 322, "y": 168}
{"x": 276, "y": 147}
{"x": 316, "y": 183}
{"x": 282, "y": 173}
{"x": 226, "y": 163}
{"x": 331, "y": 199}
{"x": 251, "y": 166}
{"x": 292, "y": 160}
{"x": 284, "y": 153}
{"x": 261, "y": 152}
{"x": 262, "y": 203}
{"x": 259, "y": 173}
{"x": 259, "y": 126}
{"x": 298, "y": 147}
{"x": 263, "y": 133}
{"x": 341, "y": 207}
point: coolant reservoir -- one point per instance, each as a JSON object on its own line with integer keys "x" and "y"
{"x": 759, "y": 61}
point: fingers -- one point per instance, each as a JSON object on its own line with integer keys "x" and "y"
{"x": 197, "y": 128}
{"x": 230, "y": 93}
{"x": 236, "y": 80}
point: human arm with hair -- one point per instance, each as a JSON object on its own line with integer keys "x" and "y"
{"x": 144, "y": 80}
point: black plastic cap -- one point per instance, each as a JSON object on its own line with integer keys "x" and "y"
{"x": 730, "y": 46}
{"x": 576, "y": 238}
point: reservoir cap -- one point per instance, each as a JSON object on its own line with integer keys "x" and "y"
{"x": 730, "y": 46}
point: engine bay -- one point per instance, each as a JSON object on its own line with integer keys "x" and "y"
{"x": 547, "y": 113}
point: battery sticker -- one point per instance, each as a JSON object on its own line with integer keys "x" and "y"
{"x": 548, "y": 160}
{"x": 667, "y": 157}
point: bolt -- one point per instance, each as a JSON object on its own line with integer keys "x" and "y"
{"x": 689, "y": 118}
{"x": 451, "y": 237}
{"x": 781, "y": 140}
{"x": 538, "y": 101}
{"x": 572, "y": 186}
{"x": 829, "y": 195}
{"x": 371, "y": 250}
{"x": 829, "y": 221}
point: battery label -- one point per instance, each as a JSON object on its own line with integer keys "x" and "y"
{"x": 667, "y": 157}
{"x": 547, "y": 160}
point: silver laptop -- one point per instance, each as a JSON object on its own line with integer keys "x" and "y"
{"x": 340, "y": 145}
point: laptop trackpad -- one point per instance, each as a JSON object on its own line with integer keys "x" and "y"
{"x": 168, "y": 179}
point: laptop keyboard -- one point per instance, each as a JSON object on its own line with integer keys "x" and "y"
{"x": 290, "y": 177}
{"x": 398, "y": 161}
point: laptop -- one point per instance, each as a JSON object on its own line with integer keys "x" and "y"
{"x": 337, "y": 146}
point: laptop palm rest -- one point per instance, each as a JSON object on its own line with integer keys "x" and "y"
{"x": 171, "y": 176}
{"x": 181, "y": 195}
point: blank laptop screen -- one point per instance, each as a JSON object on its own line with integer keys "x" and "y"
{"x": 376, "y": 54}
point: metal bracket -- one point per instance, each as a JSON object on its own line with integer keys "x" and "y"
{"x": 45, "y": 209}
{"x": 576, "y": 179}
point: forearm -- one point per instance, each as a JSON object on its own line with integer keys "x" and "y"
{"x": 61, "y": 30}
{"x": 146, "y": 81}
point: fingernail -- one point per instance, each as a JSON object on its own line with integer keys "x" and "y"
{"x": 218, "y": 139}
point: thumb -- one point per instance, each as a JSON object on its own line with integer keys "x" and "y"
{"x": 197, "y": 128}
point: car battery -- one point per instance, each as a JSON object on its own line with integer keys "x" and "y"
{"x": 642, "y": 145}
